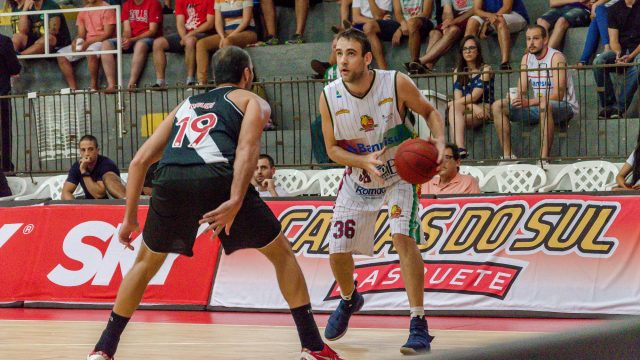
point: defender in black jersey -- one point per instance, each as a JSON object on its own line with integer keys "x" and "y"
{"x": 208, "y": 147}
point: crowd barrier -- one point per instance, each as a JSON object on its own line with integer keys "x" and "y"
{"x": 543, "y": 254}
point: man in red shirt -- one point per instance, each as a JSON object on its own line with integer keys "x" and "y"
{"x": 141, "y": 24}
{"x": 194, "y": 20}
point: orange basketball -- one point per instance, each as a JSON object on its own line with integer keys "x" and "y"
{"x": 416, "y": 161}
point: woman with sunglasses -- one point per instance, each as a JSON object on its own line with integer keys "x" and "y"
{"x": 473, "y": 92}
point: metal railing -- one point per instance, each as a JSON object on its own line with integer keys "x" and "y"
{"x": 48, "y": 125}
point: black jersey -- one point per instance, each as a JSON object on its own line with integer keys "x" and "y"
{"x": 205, "y": 130}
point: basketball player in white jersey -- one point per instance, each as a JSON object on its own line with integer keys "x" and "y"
{"x": 554, "y": 98}
{"x": 363, "y": 122}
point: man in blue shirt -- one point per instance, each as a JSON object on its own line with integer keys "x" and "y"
{"x": 96, "y": 174}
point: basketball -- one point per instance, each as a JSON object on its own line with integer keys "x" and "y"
{"x": 417, "y": 161}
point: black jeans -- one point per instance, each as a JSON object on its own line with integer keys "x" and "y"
{"x": 5, "y": 135}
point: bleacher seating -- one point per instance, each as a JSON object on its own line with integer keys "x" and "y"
{"x": 329, "y": 181}
{"x": 516, "y": 178}
{"x": 292, "y": 180}
{"x": 51, "y": 188}
{"x": 18, "y": 187}
{"x": 585, "y": 176}
{"x": 473, "y": 171}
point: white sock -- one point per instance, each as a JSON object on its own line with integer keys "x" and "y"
{"x": 417, "y": 311}
{"x": 161, "y": 82}
{"x": 347, "y": 297}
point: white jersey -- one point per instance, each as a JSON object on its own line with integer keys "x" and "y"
{"x": 541, "y": 79}
{"x": 367, "y": 124}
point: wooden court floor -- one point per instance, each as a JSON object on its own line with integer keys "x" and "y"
{"x": 50, "y": 336}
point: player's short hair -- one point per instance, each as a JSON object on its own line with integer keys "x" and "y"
{"x": 455, "y": 150}
{"x": 269, "y": 158}
{"x": 90, "y": 138}
{"x": 543, "y": 31}
{"x": 356, "y": 35}
{"x": 229, "y": 64}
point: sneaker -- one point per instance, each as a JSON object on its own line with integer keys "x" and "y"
{"x": 158, "y": 87}
{"x": 505, "y": 66}
{"x": 543, "y": 163}
{"x": 269, "y": 41}
{"x": 419, "y": 339}
{"x": 508, "y": 160}
{"x": 296, "y": 39}
{"x": 338, "y": 322}
{"x": 99, "y": 355}
{"x": 610, "y": 113}
{"x": 325, "y": 354}
{"x": 417, "y": 68}
{"x": 464, "y": 153}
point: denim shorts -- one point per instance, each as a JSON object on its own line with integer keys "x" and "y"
{"x": 561, "y": 111}
{"x": 576, "y": 16}
{"x": 147, "y": 41}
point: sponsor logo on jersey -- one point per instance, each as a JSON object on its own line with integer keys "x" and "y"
{"x": 370, "y": 192}
{"x": 396, "y": 211}
{"x": 338, "y": 95}
{"x": 367, "y": 123}
{"x": 201, "y": 105}
{"x": 342, "y": 111}
{"x": 384, "y": 101}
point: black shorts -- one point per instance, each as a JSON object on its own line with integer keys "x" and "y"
{"x": 174, "y": 41}
{"x": 182, "y": 194}
{"x": 389, "y": 27}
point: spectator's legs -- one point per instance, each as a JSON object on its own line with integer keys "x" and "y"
{"x": 19, "y": 41}
{"x": 456, "y": 123}
{"x": 113, "y": 185}
{"x": 38, "y": 46}
{"x": 94, "y": 70}
{"x": 345, "y": 11}
{"x": 602, "y": 20}
{"x": 302, "y": 11}
{"x": 67, "y": 71}
{"x": 372, "y": 29}
{"x": 160, "y": 45}
{"x": 473, "y": 26}
{"x": 203, "y": 55}
{"x": 605, "y": 89}
{"x": 630, "y": 86}
{"x": 109, "y": 65}
{"x": 440, "y": 44}
{"x": 546, "y": 128}
{"x": 591, "y": 43}
{"x": 241, "y": 39}
{"x": 5, "y": 135}
{"x": 504, "y": 39}
{"x": 500, "y": 111}
{"x": 557, "y": 35}
{"x": 140, "y": 52}
{"x": 415, "y": 40}
{"x": 190, "y": 55}
{"x": 269, "y": 12}
{"x": 545, "y": 24}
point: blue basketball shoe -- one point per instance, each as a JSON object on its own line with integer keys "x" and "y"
{"x": 419, "y": 339}
{"x": 339, "y": 319}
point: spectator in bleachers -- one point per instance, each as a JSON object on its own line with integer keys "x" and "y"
{"x": 234, "y": 26}
{"x": 95, "y": 173}
{"x": 598, "y": 30}
{"x": 93, "y": 28}
{"x": 9, "y": 65}
{"x": 503, "y": 16}
{"x": 449, "y": 180}
{"x": 411, "y": 19}
{"x": 326, "y": 70}
{"x": 166, "y": 7}
{"x": 363, "y": 11}
{"x": 563, "y": 15}
{"x": 194, "y": 21}
{"x": 28, "y": 39}
{"x": 141, "y": 24}
{"x": 473, "y": 93}
{"x": 554, "y": 98}
{"x": 263, "y": 178}
{"x": 147, "y": 186}
{"x": 631, "y": 166}
{"x": 5, "y": 190}
{"x": 455, "y": 15}
{"x": 269, "y": 11}
{"x": 624, "y": 40}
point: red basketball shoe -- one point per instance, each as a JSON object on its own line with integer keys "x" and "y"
{"x": 325, "y": 354}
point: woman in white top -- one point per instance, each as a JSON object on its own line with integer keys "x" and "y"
{"x": 631, "y": 166}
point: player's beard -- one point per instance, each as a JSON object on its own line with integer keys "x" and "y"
{"x": 354, "y": 76}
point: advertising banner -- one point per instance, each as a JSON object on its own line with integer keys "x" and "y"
{"x": 71, "y": 254}
{"x": 565, "y": 253}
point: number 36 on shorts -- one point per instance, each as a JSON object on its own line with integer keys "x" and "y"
{"x": 345, "y": 228}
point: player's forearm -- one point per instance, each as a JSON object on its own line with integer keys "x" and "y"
{"x": 137, "y": 172}
{"x": 436, "y": 124}
{"x": 243, "y": 168}
{"x": 344, "y": 157}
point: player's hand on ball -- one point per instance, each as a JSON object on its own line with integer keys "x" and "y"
{"x": 222, "y": 217}
{"x": 124, "y": 235}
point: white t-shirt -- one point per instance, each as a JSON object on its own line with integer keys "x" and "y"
{"x": 365, "y": 10}
{"x": 280, "y": 190}
{"x": 459, "y": 5}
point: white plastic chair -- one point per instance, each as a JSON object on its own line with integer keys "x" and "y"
{"x": 292, "y": 180}
{"x": 124, "y": 177}
{"x": 473, "y": 171}
{"x": 18, "y": 187}
{"x": 586, "y": 176}
{"x": 329, "y": 181}
{"x": 516, "y": 178}
{"x": 51, "y": 189}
